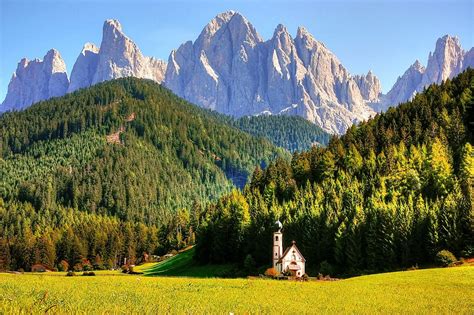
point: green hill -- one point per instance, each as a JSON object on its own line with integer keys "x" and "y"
{"x": 128, "y": 150}
{"x": 391, "y": 193}
{"x": 293, "y": 133}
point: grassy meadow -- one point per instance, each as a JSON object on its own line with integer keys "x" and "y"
{"x": 183, "y": 265}
{"x": 429, "y": 291}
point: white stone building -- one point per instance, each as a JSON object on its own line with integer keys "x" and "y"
{"x": 291, "y": 260}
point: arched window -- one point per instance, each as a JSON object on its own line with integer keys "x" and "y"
{"x": 276, "y": 238}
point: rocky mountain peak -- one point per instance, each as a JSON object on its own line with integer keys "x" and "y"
{"x": 52, "y": 54}
{"x": 444, "y": 63}
{"x": 85, "y": 67}
{"x": 230, "y": 69}
{"x": 229, "y": 26}
{"x": 447, "y": 42}
{"x": 417, "y": 66}
{"x": 226, "y": 16}
{"x": 282, "y": 38}
{"x": 302, "y": 32}
{"x": 114, "y": 39}
{"x": 36, "y": 80}
{"x": 89, "y": 47}
{"x": 468, "y": 61}
{"x": 280, "y": 29}
{"x": 54, "y": 62}
{"x": 23, "y": 63}
{"x": 369, "y": 86}
{"x": 404, "y": 88}
{"x": 119, "y": 57}
{"x": 112, "y": 27}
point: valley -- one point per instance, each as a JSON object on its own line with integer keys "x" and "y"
{"x": 252, "y": 172}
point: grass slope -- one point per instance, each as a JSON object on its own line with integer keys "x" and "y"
{"x": 430, "y": 291}
{"x": 183, "y": 265}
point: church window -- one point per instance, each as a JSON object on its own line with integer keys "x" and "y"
{"x": 276, "y": 238}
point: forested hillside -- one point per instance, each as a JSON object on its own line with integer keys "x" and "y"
{"x": 113, "y": 171}
{"x": 293, "y": 133}
{"x": 390, "y": 193}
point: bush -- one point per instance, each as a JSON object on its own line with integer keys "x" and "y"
{"x": 445, "y": 258}
{"x": 77, "y": 267}
{"x": 70, "y": 274}
{"x": 271, "y": 272}
{"x": 326, "y": 268}
{"x": 86, "y": 265}
{"x": 63, "y": 265}
{"x": 88, "y": 273}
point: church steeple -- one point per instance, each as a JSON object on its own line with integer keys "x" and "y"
{"x": 277, "y": 244}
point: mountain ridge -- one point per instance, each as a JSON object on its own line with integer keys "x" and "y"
{"x": 230, "y": 68}
{"x": 445, "y": 62}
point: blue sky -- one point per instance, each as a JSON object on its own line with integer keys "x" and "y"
{"x": 384, "y": 36}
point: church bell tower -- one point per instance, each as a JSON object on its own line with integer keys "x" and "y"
{"x": 277, "y": 244}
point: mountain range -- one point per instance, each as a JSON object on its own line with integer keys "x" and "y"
{"x": 229, "y": 68}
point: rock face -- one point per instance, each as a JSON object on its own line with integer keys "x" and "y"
{"x": 369, "y": 86}
{"x": 444, "y": 63}
{"x": 468, "y": 61}
{"x": 84, "y": 68}
{"x": 230, "y": 69}
{"x": 36, "y": 80}
{"x": 447, "y": 61}
{"x": 117, "y": 57}
{"x": 120, "y": 57}
{"x": 404, "y": 88}
{"x": 206, "y": 72}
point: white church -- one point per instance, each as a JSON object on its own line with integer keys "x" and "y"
{"x": 291, "y": 260}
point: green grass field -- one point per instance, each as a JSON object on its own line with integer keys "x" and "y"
{"x": 183, "y": 265}
{"x": 429, "y": 291}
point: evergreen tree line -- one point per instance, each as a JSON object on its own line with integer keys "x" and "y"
{"x": 293, "y": 133}
{"x": 67, "y": 239}
{"x": 391, "y": 193}
{"x": 126, "y": 154}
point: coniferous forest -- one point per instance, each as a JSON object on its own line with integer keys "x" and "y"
{"x": 293, "y": 133}
{"x": 126, "y": 168}
{"x": 391, "y": 193}
{"x": 113, "y": 172}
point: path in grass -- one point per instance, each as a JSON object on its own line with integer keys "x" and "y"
{"x": 183, "y": 265}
